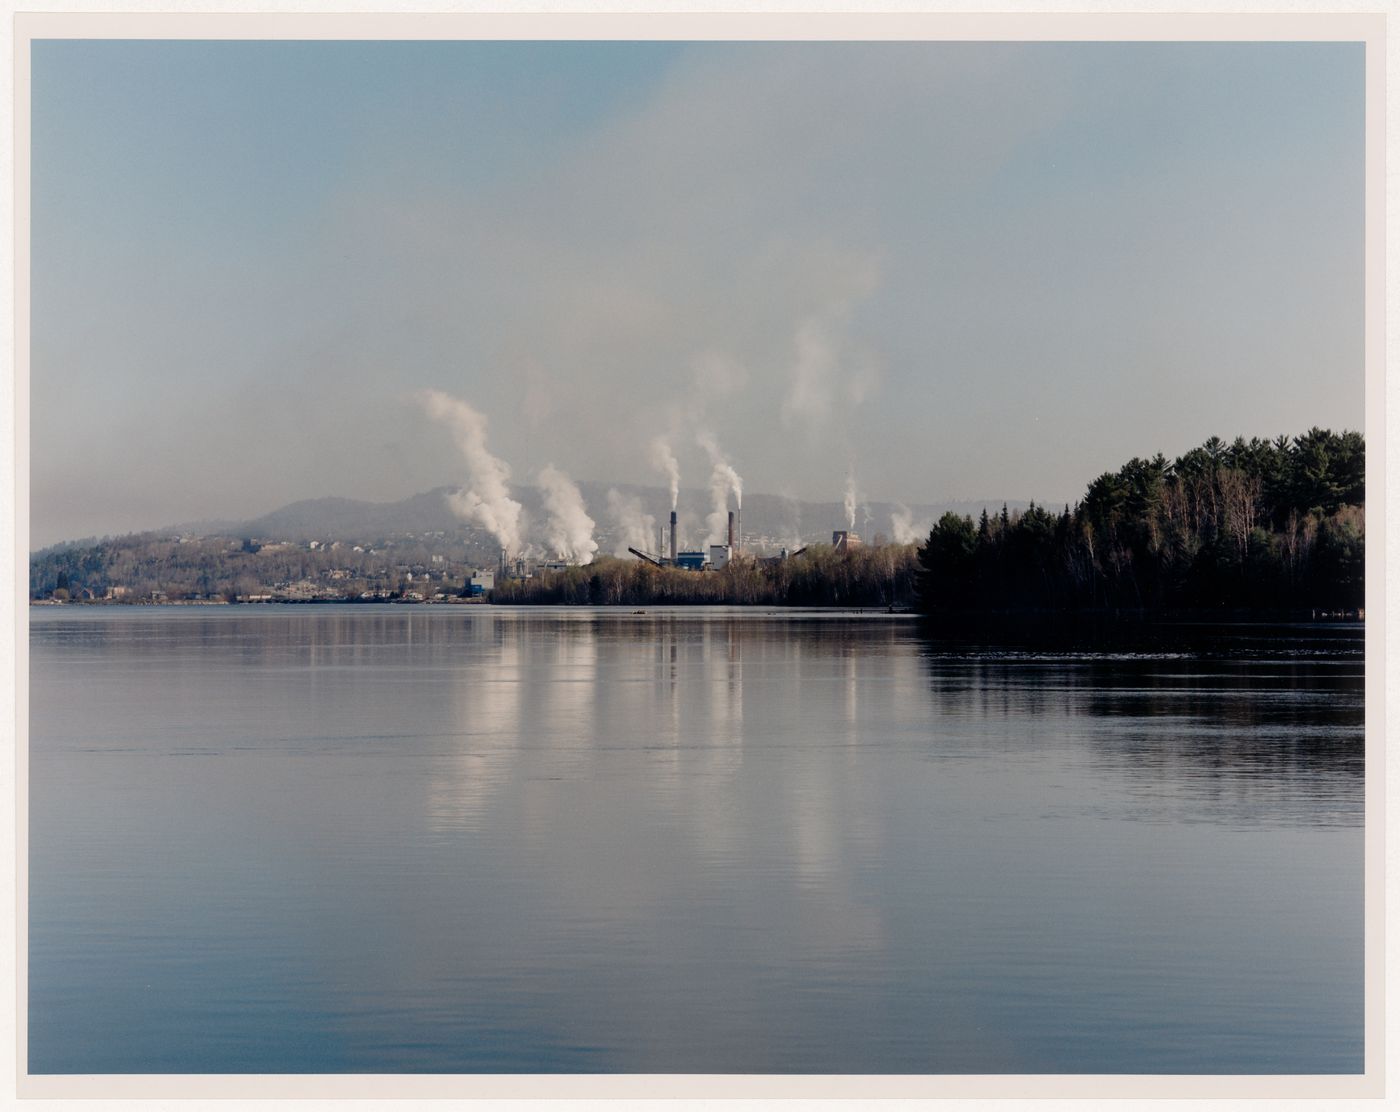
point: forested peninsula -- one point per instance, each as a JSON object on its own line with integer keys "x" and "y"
{"x": 1253, "y": 525}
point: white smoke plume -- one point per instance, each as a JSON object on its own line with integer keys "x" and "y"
{"x": 723, "y": 480}
{"x": 485, "y": 499}
{"x": 570, "y": 529}
{"x": 904, "y": 529}
{"x": 794, "y": 513}
{"x": 664, "y": 460}
{"x": 810, "y": 399}
{"x": 829, "y": 374}
{"x": 687, "y": 529}
{"x": 635, "y": 528}
{"x": 851, "y": 499}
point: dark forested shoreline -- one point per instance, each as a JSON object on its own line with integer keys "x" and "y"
{"x": 879, "y": 575}
{"x": 1254, "y": 526}
{"x": 1257, "y": 527}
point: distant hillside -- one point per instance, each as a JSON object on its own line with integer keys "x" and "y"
{"x": 769, "y": 521}
{"x": 415, "y": 548}
{"x": 317, "y": 518}
{"x": 765, "y": 516}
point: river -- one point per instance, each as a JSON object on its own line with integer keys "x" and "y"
{"x": 475, "y": 839}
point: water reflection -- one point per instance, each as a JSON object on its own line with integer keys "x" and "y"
{"x": 1207, "y": 723}
{"x": 486, "y": 700}
{"x": 488, "y": 840}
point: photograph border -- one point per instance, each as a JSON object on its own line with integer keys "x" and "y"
{"x": 1366, "y": 28}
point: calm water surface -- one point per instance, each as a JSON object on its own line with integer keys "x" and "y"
{"x": 382, "y": 839}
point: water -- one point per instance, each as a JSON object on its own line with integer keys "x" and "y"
{"x": 383, "y": 839}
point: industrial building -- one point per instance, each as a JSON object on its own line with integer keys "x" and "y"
{"x": 715, "y": 557}
{"x": 712, "y": 557}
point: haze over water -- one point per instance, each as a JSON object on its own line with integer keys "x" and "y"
{"x": 458, "y": 839}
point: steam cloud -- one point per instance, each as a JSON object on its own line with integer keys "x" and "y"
{"x": 485, "y": 500}
{"x": 664, "y": 460}
{"x": 850, "y": 500}
{"x": 828, "y": 375}
{"x": 903, "y": 527}
{"x": 723, "y": 479}
{"x": 570, "y": 529}
{"x": 794, "y": 509}
{"x": 635, "y": 528}
{"x": 810, "y": 399}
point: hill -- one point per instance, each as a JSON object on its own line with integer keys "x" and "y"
{"x": 348, "y": 548}
{"x": 768, "y": 520}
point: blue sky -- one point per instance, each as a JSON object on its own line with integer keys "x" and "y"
{"x": 959, "y": 270}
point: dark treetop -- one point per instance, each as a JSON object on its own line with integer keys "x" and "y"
{"x": 1258, "y": 525}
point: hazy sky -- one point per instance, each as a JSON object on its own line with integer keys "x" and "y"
{"x": 963, "y": 270}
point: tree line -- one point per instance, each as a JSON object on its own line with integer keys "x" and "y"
{"x": 145, "y": 567}
{"x": 1259, "y": 524}
{"x": 151, "y": 567}
{"x": 874, "y": 576}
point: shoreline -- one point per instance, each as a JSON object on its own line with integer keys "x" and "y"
{"x": 960, "y": 619}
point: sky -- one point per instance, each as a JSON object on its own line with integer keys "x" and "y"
{"x": 952, "y": 270}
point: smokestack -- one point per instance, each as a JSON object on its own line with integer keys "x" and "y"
{"x": 731, "y": 532}
{"x": 738, "y": 530}
{"x": 673, "y": 538}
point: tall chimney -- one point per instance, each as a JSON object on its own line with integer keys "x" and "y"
{"x": 731, "y": 532}
{"x": 738, "y": 531}
{"x": 673, "y": 537}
